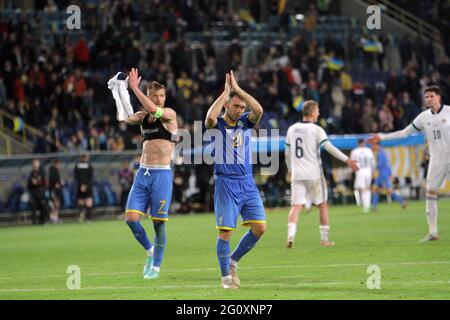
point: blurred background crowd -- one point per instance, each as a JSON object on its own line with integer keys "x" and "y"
{"x": 283, "y": 52}
{"x": 56, "y": 82}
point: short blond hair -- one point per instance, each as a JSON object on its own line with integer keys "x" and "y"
{"x": 308, "y": 107}
{"x": 154, "y": 85}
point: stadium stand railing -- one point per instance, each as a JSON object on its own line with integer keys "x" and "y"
{"x": 408, "y": 19}
{"x": 16, "y": 129}
{"x": 419, "y": 26}
{"x": 5, "y": 145}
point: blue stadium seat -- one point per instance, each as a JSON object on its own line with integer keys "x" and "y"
{"x": 73, "y": 194}
{"x": 96, "y": 195}
{"x": 273, "y": 22}
{"x": 67, "y": 199}
{"x": 13, "y": 201}
{"x": 111, "y": 198}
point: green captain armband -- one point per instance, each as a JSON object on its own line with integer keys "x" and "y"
{"x": 158, "y": 113}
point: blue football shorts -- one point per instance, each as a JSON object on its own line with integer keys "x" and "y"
{"x": 152, "y": 189}
{"x": 234, "y": 196}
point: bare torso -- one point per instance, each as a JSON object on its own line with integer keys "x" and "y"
{"x": 159, "y": 151}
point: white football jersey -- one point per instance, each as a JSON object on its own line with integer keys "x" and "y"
{"x": 436, "y": 127}
{"x": 305, "y": 140}
{"x": 365, "y": 158}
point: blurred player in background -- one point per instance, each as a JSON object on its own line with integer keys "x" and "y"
{"x": 363, "y": 178}
{"x": 152, "y": 185}
{"x": 235, "y": 189}
{"x": 36, "y": 187}
{"x": 383, "y": 179}
{"x": 83, "y": 175}
{"x": 303, "y": 143}
{"x": 434, "y": 123}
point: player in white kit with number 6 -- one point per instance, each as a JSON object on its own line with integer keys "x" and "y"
{"x": 303, "y": 142}
{"x": 434, "y": 123}
{"x": 363, "y": 178}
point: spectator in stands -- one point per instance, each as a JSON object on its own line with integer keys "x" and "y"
{"x": 83, "y": 143}
{"x": 311, "y": 19}
{"x": 58, "y": 84}
{"x": 83, "y": 175}
{"x": 73, "y": 144}
{"x": 406, "y": 50}
{"x": 386, "y": 119}
{"x": 410, "y": 109}
{"x": 55, "y": 192}
{"x": 368, "y": 119}
{"x": 2, "y": 91}
{"x": 351, "y": 116}
{"x": 81, "y": 53}
{"x": 36, "y": 188}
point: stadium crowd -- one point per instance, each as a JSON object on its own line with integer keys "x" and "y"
{"x": 59, "y": 85}
{"x": 56, "y": 81}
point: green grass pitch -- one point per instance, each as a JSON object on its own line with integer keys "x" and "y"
{"x": 34, "y": 260}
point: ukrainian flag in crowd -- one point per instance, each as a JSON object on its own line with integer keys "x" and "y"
{"x": 18, "y": 124}
{"x": 371, "y": 46}
{"x": 335, "y": 64}
{"x": 247, "y": 17}
{"x": 298, "y": 103}
{"x": 273, "y": 123}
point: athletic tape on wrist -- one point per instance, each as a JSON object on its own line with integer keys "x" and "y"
{"x": 158, "y": 113}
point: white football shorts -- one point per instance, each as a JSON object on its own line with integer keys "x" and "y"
{"x": 363, "y": 179}
{"x": 313, "y": 190}
{"x": 437, "y": 173}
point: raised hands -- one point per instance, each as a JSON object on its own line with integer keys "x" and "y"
{"x": 227, "y": 88}
{"x": 234, "y": 85}
{"x": 133, "y": 78}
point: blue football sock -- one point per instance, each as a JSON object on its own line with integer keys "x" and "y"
{"x": 160, "y": 242}
{"x": 397, "y": 198}
{"x": 223, "y": 254}
{"x": 140, "y": 234}
{"x": 247, "y": 242}
{"x": 375, "y": 199}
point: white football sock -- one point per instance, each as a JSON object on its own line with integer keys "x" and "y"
{"x": 227, "y": 278}
{"x": 292, "y": 230}
{"x": 357, "y": 197}
{"x": 366, "y": 195}
{"x": 432, "y": 214}
{"x": 150, "y": 252}
{"x": 324, "y": 230}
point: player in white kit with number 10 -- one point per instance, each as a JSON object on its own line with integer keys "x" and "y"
{"x": 363, "y": 178}
{"x": 434, "y": 123}
{"x": 303, "y": 143}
